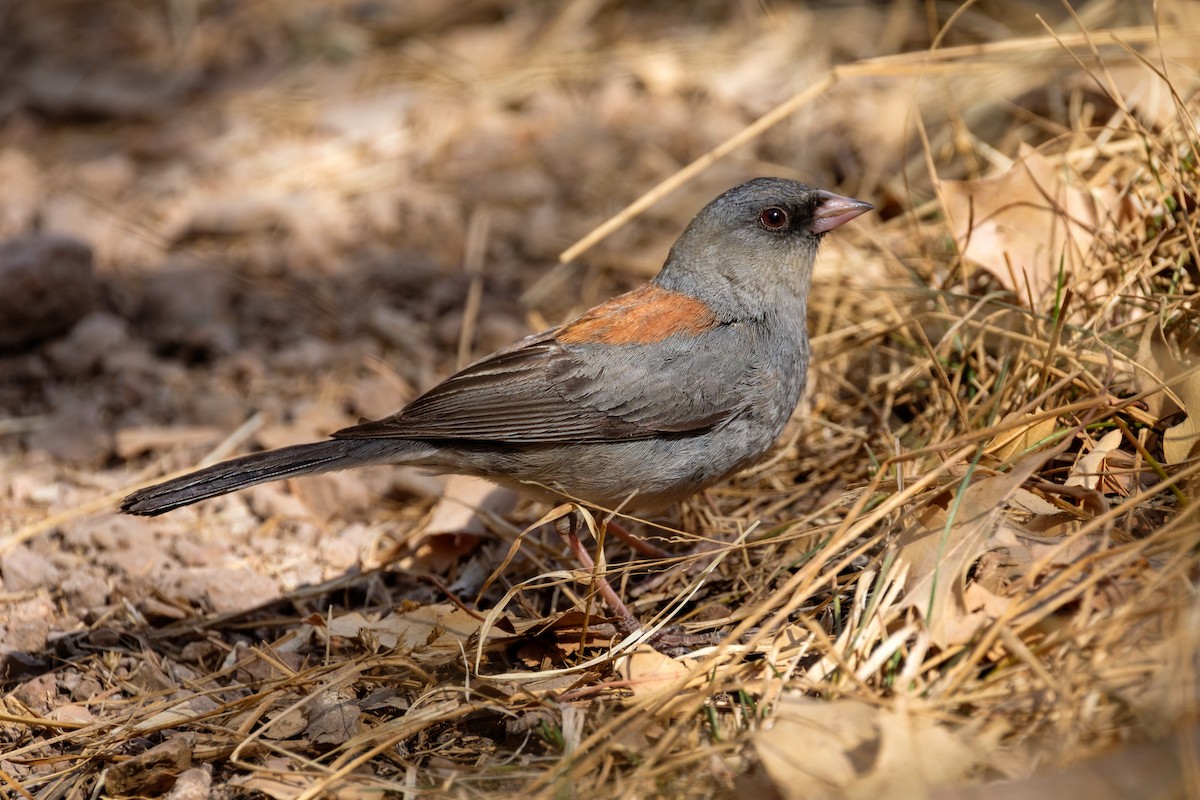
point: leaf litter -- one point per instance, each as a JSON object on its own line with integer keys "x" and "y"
{"x": 968, "y": 567}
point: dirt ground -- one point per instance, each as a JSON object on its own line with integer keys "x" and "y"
{"x": 233, "y": 226}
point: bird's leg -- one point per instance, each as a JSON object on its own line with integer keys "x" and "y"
{"x": 636, "y": 543}
{"x": 669, "y": 641}
{"x": 567, "y": 527}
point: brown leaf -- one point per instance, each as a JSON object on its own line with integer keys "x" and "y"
{"x": 939, "y": 551}
{"x": 650, "y": 673}
{"x": 1017, "y": 559}
{"x": 849, "y": 749}
{"x": 332, "y": 720}
{"x": 1021, "y": 436}
{"x": 273, "y": 784}
{"x": 441, "y": 627}
{"x": 1159, "y": 769}
{"x": 1090, "y": 469}
{"x": 153, "y": 771}
{"x": 1025, "y": 224}
{"x": 284, "y": 723}
{"x": 1180, "y": 441}
{"x": 1178, "y": 387}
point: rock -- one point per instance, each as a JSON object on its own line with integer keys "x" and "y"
{"x": 85, "y": 591}
{"x": 25, "y": 626}
{"x": 193, "y": 784}
{"x": 185, "y": 308}
{"x": 78, "y": 92}
{"x": 75, "y": 434}
{"x": 221, "y": 590}
{"x": 38, "y": 694}
{"x": 46, "y": 286}
{"x": 95, "y": 337}
{"x": 24, "y": 570}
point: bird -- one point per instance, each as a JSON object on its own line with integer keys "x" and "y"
{"x": 637, "y": 403}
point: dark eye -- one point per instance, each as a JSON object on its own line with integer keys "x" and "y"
{"x": 773, "y": 218}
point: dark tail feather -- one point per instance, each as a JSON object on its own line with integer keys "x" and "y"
{"x": 238, "y": 473}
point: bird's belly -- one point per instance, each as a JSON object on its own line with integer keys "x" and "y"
{"x": 643, "y": 475}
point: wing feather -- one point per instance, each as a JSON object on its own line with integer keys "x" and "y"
{"x": 542, "y": 391}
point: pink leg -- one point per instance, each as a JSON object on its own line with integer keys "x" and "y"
{"x": 636, "y": 543}
{"x": 628, "y": 622}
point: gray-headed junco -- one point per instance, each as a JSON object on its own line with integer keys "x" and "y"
{"x": 637, "y": 403}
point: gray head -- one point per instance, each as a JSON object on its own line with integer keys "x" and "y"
{"x": 754, "y": 246}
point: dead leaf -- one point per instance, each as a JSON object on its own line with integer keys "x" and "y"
{"x": 272, "y": 784}
{"x": 347, "y": 625}
{"x": 940, "y": 548}
{"x": 284, "y": 723}
{"x": 1178, "y": 387}
{"x": 441, "y": 626}
{"x": 1159, "y": 769}
{"x": 1020, "y": 437}
{"x": 1026, "y": 224}
{"x": 457, "y": 523}
{"x": 1180, "y": 441}
{"x": 849, "y": 749}
{"x": 72, "y": 712}
{"x": 650, "y": 673}
{"x": 1017, "y": 560}
{"x": 1089, "y": 470}
{"x": 332, "y": 720}
{"x": 153, "y": 771}
{"x": 463, "y": 498}
{"x": 1031, "y": 503}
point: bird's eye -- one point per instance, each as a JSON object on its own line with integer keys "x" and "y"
{"x": 773, "y": 218}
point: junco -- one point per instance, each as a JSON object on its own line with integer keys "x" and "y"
{"x": 637, "y": 403}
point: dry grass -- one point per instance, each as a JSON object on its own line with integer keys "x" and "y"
{"x": 972, "y": 558}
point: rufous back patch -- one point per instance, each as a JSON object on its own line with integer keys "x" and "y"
{"x": 643, "y": 316}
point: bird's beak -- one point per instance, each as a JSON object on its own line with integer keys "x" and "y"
{"x": 836, "y": 210}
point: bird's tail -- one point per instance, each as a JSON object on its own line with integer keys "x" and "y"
{"x": 272, "y": 465}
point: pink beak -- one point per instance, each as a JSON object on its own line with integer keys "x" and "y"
{"x": 836, "y": 210}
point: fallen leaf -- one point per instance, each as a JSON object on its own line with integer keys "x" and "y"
{"x": 1180, "y": 441}
{"x": 1090, "y": 468}
{"x": 441, "y": 626}
{"x": 457, "y": 524}
{"x": 941, "y": 547}
{"x": 332, "y": 720}
{"x": 650, "y": 673}
{"x": 72, "y": 712}
{"x": 463, "y": 498}
{"x": 1170, "y": 384}
{"x": 284, "y": 723}
{"x": 1017, "y": 560}
{"x": 1158, "y": 769}
{"x": 272, "y": 784}
{"x": 1020, "y": 437}
{"x": 1031, "y": 503}
{"x": 1025, "y": 225}
{"x": 849, "y": 749}
{"x": 978, "y": 598}
{"x": 153, "y": 771}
